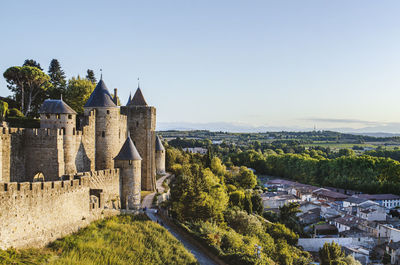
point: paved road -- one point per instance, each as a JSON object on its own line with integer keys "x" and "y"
{"x": 202, "y": 258}
{"x": 148, "y": 200}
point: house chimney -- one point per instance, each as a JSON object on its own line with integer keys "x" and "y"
{"x": 115, "y": 99}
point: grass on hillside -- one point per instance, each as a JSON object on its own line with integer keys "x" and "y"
{"x": 118, "y": 240}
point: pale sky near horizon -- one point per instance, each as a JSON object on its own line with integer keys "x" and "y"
{"x": 266, "y": 63}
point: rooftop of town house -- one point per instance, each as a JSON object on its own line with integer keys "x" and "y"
{"x": 379, "y": 197}
{"x": 330, "y": 194}
{"x": 355, "y": 200}
{"x": 348, "y": 220}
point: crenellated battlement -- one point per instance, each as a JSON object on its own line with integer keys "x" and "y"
{"x": 31, "y": 131}
{"x": 8, "y": 131}
{"x": 68, "y": 183}
{"x": 43, "y": 132}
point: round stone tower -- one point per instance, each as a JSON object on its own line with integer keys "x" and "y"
{"x": 129, "y": 162}
{"x": 107, "y": 125}
{"x": 141, "y": 125}
{"x": 160, "y": 156}
{"x": 56, "y": 114}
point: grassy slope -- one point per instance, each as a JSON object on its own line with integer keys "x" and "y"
{"x": 117, "y": 240}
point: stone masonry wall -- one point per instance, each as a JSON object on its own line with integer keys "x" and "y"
{"x": 160, "y": 162}
{"x": 85, "y": 144}
{"x": 108, "y": 181}
{"x": 12, "y": 154}
{"x": 34, "y": 214}
{"x": 44, "y": 153}
{"x": 141, "y": 125}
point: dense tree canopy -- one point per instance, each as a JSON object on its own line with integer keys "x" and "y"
{"x": 78, "y": 92}
{"x": 28, "y": 83}
{"x": 221, "y": 206}
{"x": 57, "y": 79}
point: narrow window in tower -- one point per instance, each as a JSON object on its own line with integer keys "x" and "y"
{"x": 137, "y": 124}
{"x": 58, "y": 116}
{"x": 103, "y": 134}
{"x": 47, "y": 116}
{"x": 73, "y": 131}
{"x": 130, "y": 162}
{"x": 70, "y": 117}
{"x": 108, "y": 112}
{"x": 63, "y": 130}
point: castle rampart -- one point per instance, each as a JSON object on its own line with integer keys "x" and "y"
{"x": 35, "y": 213}
{"x": 141, "y": 125}
{"x": 58, "y": 178}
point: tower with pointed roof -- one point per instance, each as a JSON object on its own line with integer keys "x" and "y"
{"x": 160, "y": 156}
{"x": 107, "y": 129}
{"x": 129, "y": 162}
{"x": 141, "y": 125}
{"x": 56, "y": 114}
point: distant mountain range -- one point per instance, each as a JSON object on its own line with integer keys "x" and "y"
{"x": 385, "y": 130}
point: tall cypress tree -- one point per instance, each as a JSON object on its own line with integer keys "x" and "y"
{"x": 90, "y": 76}
{"x": 57, "y": 79}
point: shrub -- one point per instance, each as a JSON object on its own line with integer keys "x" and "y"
{"x": 243, "y": 223}
{"x": 14, "y": 112}
{"x": 23, "y": 122}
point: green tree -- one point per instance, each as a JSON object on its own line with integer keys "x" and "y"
{"x": 33, "y": 63}
{"x": 3, "y": 109}
{"x": 90, "y": 76}
{"x": 27, "y": 83}
{"x": 197, "y": 195}
{"x": 236, "y": 198}
{"x": 331, "y": 254}
{"x": 246, "y": 178}
{"x": 247, "y": 203}
{"x": 15, "y": 113}
{"x": 57, "y": 79}
{"x": 78, "y": 92}
{"x": 346, "y": 152}
{"x": 256, "y": 201}
{"x": 349, "y": 260}
{"x": 217, "y": 167}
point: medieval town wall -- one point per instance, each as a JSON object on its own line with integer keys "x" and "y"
{"x": 33, "y": 214}
{"x": 85, "y": 144}
{"x": 141, "y": 125}
{"x": 12, "y": 155}
{"x": 44, "y": 153}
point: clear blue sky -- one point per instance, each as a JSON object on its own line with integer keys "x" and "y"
{"x": 274, "y": 63}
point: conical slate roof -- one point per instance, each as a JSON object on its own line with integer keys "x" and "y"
{"x": 138, "y": 99}
{"x": 128, "y": 151}
{"x": 57, "y": 106}
{"x": 159, "y": 145}
{"x": 129, "y": 99}
{"x": 100, "y": 97}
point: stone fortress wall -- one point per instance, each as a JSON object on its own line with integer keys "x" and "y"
{"x": 26, "y": 152}
{"x": 60, "y": 177}
{"x": 34, "y": 213}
